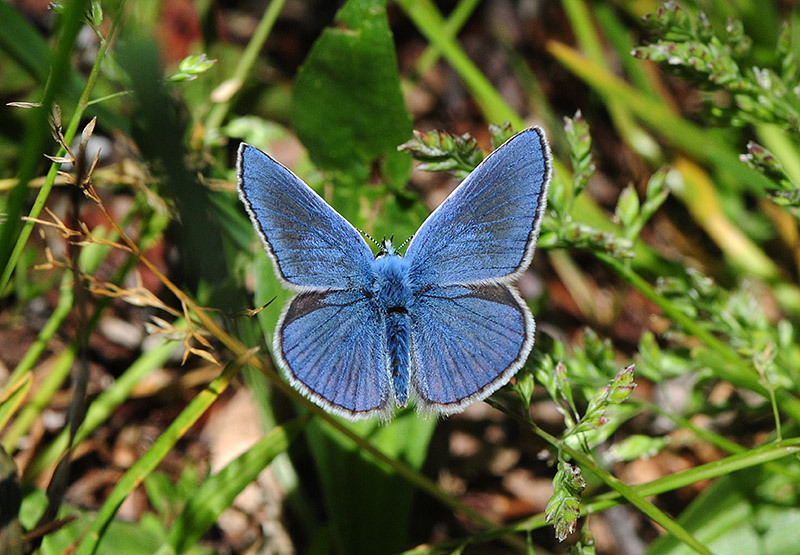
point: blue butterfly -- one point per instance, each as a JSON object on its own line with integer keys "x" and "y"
{"x": 443, "y": 323}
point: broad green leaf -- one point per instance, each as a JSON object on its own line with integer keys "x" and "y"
{"x": 348, "y": 108}
{"x": 369, "y": 506}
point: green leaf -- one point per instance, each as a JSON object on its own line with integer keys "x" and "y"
{"x": 627, "y": 207}
{"x": 586, "y": 545}
{"x": 524, "y": 386}
{"x": 96, "y": 14}
{"x": 442, "y": 151}
{"x": 348, "y": 108}
{"x": 190, "y": 67}
{"x": 580, "y": 151}
{"x": 356, "y": 488}
{"x": 500, "y": 133}
{"x": 635, "y": 447}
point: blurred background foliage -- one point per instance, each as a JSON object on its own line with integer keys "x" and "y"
{"x": 140, "y": 410}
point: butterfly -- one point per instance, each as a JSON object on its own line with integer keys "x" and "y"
{"x": 442, "y": 324}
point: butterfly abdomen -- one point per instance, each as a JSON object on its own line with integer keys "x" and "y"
{"x": 392, "y": 295}
{"x": 398, "y": 340}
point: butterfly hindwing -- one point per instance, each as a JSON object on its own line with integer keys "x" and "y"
{"x": 487, "y": 228}
{"x": 311, "y": 245}
{"x": 468, "y": 341}
{"x": 331, "y": 347}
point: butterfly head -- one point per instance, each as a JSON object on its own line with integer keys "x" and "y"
{"x": 387, "y": 247}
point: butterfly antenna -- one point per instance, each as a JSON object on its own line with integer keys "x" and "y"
{"x": 404, "y": 242}
{"x": 368, "y": 236}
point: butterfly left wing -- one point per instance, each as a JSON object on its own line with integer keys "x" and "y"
{"x": 311, "y": 245}
{"x": 486, "y": 229}
{"x": 330, "y": 346}
{"x": 468, "y": 341}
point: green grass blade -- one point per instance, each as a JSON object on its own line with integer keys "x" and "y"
{"x": 11, "y": 399}
{"x": 589, "y": 40}
{"x": 431, "y": 24}
{"x": 457, "y": 18}
{"x": 59, "y": 372}
{"x": 91, "y": 257}
{"x": 619, "y": 37}
{"x": 150, "y": 460}
{"x": 218, "y": 492}
{"x": 64, "y": 306}
{"x": 746, "y": 512}
{"x": 102, "y": 407}
{"x": 36, "y": 134}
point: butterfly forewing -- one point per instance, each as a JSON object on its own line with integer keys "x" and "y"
{"x": 311, "y": 245}
{"x": 486, "y": 229}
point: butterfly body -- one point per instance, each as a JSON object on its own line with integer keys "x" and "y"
{"x": 392, "y": 297}
{"x": 442, "y": 324}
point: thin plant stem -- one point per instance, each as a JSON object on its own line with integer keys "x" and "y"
{"x": 244, "y": 67}
{"x": 629, "y": 493}
{"x": 733, "y": 368}
{"x": 69, "y": 134}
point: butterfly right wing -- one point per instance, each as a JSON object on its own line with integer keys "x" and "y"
{"x": 331, "y": 347}
{"x": 311, "y": 245}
